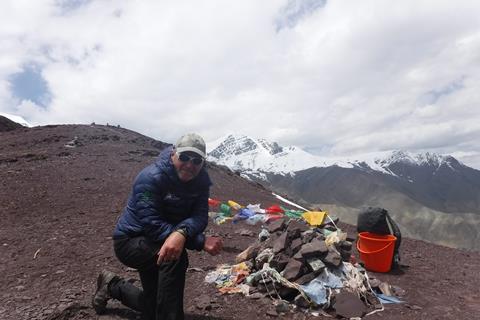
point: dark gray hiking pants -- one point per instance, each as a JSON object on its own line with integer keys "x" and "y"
{"x": 163, "y": 285}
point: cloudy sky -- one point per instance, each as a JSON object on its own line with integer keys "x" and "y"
{"x": 334, "y": 77}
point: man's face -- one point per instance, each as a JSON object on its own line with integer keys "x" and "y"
{"x": 187, "y": 164}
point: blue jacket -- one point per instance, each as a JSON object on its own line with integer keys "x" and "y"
{"x": 160, "y": 203}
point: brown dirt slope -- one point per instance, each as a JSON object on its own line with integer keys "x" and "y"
{"x": 59, "y": 206}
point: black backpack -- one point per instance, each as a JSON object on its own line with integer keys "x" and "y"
{"x": 377, "y": 220}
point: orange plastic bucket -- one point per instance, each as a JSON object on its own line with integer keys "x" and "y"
{"x": 376, "y": 251}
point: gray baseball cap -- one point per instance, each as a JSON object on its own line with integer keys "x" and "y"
{"x": 191, "y": 142}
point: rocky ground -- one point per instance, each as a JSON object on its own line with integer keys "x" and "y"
{"x": 61, "y": 197}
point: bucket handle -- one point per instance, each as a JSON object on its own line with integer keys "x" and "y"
{"x": 377, "y": 251}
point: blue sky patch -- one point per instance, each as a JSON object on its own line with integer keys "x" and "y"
{"x": 70, "y": 5}
{"x": 432, "y": 96}
{"x": 30, "y": 85}
{"x": 296, "y": 10}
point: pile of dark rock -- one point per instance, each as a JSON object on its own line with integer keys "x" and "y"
{"x": 297, "y": 252}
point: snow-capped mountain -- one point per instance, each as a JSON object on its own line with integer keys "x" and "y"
{"x": 243, "y": 153}
{"x": 246, "y": 154}
{"x": 17, "y": 119}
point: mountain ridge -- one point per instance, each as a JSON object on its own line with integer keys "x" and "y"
{"x": 243, "y": 153}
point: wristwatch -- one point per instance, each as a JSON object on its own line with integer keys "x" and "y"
{"x": 183, "y": 232}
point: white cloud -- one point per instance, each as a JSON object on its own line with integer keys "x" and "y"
{"x": 347, "y": 77}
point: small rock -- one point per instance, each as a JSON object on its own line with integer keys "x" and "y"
{"x": 245, "y": 232}
{"x": 385, "y": 289}
{"x": 263, "y": 257}
{"x": 279, "y": 262}
{"x": 398, "y": 291}
{"x": 315, "y": 264}
{"x": 255, "y": 296}
{"x": 413, "y": 307}
{"x": 333, "y": 257}
{"x": 301, "y": 302}
{"x": 308, "y": 236}
{"x": 248, "y": 253}
{"x": 282, "y": 306}
{"x": 374, "y": 283}
{"x": 346, "y": 245}
{"x": 272, "y": 313}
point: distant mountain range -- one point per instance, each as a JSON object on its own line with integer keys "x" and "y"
{"x": 246, "y": 154}
{"x": 433, "y": 197}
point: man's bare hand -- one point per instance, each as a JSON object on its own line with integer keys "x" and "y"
{"x": 172, "y": 248}
{"x": 213, "y": 245}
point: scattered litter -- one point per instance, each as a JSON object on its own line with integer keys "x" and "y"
{"x": 275, "y": 209}
{"x": 243, "y": 214}
{"x": 36, "y": 253}
{"x": 253, "y": 220}
{"x": 256, "y": 208}
{"x": 263, "y": 235}
{"x": 388, "y": 299}
{"x": 226, "y": 276}
{"x": 234, "y": 205}
{"x": 213, "y": 202}
{"x": 299, "y": 258}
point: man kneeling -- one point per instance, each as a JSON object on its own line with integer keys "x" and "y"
{"x": 166, "y": 213}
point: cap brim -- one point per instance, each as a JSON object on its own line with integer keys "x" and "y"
{"x": 191, "y": 149}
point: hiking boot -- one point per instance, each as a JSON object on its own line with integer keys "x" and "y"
{"x": 101, "y": 296}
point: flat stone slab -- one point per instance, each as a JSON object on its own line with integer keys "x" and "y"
{"x": 277, "y": 225}
{"x": 348, "y": 305}
{"x": 293, "y": 270}
{"x": 280, "y": 244}
{"x": 316, "y": 248}
{"x": 295, "y": 229}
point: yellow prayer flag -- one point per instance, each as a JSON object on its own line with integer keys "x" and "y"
{"x": 314, "y": 218}
{"x": 234, "y": 205}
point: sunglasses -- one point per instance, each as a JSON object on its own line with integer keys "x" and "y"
{"x": 185, "y": 158}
